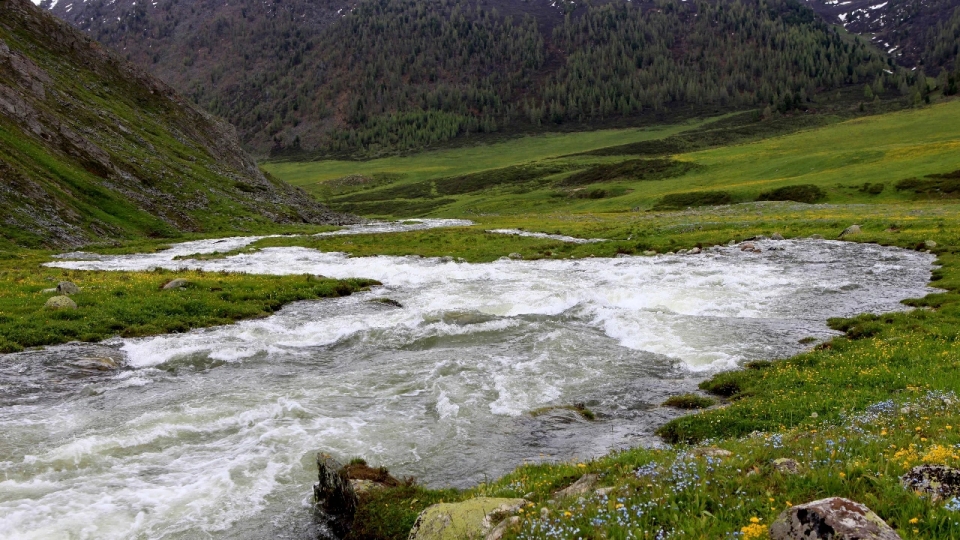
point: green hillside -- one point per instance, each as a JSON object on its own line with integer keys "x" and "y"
{"x": 92, "y": 148}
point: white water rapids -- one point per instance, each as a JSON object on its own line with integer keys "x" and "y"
{"x": 212, "y": 433}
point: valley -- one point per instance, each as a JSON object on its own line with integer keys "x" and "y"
{"x": 647, "y": 270}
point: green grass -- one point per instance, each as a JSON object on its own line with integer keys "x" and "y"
{"x": 132, "y": 304}
{"x": 853, "y": 161}
{"x": 467, "y": 160}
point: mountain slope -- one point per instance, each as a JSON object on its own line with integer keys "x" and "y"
{"x": 918, "y": 33}
{"x": 368, "y": 76}
{"x": 91, "y": 147}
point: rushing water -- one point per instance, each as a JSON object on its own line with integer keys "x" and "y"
{"x": 211, "y": 433}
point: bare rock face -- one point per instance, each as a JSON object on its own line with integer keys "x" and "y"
{"x": 936, "y": 481}
{"x": 335, "y": 502}
{"x": 834, "y": 518}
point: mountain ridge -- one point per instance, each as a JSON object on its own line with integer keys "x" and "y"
{"x": 363, "y": 77}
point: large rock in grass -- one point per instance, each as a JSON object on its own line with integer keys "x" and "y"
{"x": 936, "y": 481}
{"x": 474, "y": 518}
{"x": 178, "y": 283}
{"x": 60, "y": 302}
{"x": 67, "y": 287}
{"x": 835, "y": 518}
{"x": 335, "y": 501}
{"x": 850, "y": 231}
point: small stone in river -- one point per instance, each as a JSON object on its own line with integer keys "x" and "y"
{"x": 178, "y": 283}
{"x": 446, "y": 259}
{"x": 849, "y": 231}
{"x": 515, "y": 256}
{"x": 694, "y": 251}
{"x": 937, "y": 481}
{"x": 786, "y": 465}
{"x": 776, "y": 236}
{"x": 60, "y": 302}
{"x": 649, "y": 253}
{"x": 66, "y": 287}
{"x": 747, "y": 246}
{"x": 834, "y": 518}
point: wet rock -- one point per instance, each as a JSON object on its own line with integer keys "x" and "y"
{"x": 60, "y": 302}
{"x": 446, "y": 259}
{"x": 515, "y": 256}
{"x": 747, "y": 246}
{"x": 681, "y": 252}
{"x": 473, "y": 518}
{"x": 937, "y": 481}
{"x": 178, "y": 283}
{"x": 335, "y": 501}
{"x": 387, "y": 302}
{"x": 850, "y": 231}
{"x": 99, "y": 359}
{"x": 583, "y": 485}
{"x": 786, "y": 465}
{"x": 649, "y": 253}
{"x": 776, "y": 236}
{"x": 67, "y": 287}
{"x": 816, "y": 237}
{"x": 694, "y": 251}
{"x": 834, "y": 518}
{"x": 712, "y": 451}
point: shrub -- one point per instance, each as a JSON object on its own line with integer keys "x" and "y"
{"x": 804, "y": 193}
{"x": 679, "y": 201}
{"x": 689, "y": 401}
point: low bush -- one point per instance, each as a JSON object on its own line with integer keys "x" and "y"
{"x": 803, "y": 193}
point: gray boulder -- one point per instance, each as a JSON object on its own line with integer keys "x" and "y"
{"x": 850, "y": 231}
{"x": 937, "y": 481}
{"x": 67, "y": 287}
{"x": 335, "y": 501}
{"x": 586, "y": 483}
{"x": 60, "y": 302}
{"x": 178, "y": 283}
{"x": 834, "y": 518}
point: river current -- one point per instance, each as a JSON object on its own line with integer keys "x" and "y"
{"x": 212, "y": 433}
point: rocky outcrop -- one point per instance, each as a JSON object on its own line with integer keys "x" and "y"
{"x": 835, "y": 518}
{"x": 471, "y": 519}
{"x": 335, "y": 502}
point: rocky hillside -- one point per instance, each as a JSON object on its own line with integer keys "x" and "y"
{"x": 371, "y": 76}
{"x": 92, "y": 147}
{"x": 918, "y": 33}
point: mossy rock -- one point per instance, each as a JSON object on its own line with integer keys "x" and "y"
{"x": 473, "y": 518}
{"x": 60, "y": 302}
